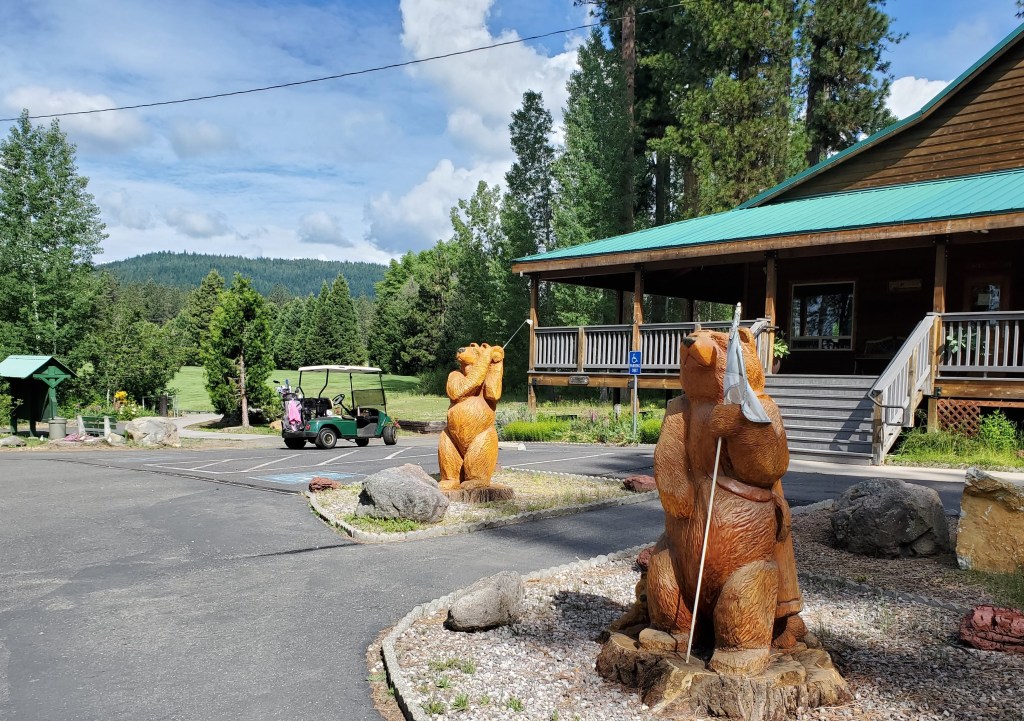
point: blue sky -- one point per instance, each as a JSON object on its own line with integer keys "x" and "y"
{"x": 361, "y": 168}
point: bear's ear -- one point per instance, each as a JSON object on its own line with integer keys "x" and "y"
{"x": 473, "y": 345}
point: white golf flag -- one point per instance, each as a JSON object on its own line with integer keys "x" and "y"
{"x": 737, "y": 387}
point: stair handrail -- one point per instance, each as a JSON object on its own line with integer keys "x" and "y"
{"x": 901, "y": 386}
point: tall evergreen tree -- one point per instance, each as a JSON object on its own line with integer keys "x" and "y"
{"x": 50, "y": 229}
{"x": 529, "y": 182}
{"x": 236, "y": 353}
{"x": 193, "y": 322}
{"x": 288, "y": 340}
{"x": 335, "y": 333}
{"x": 847, "y": 80}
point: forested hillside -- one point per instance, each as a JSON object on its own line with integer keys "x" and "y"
{"x": 300, "y": 277}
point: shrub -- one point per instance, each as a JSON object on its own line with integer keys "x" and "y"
{"x": 649, "y": 430}
{"x": 998, "y": 432}
{"x": 539, "y": 430}
{"x": 433, "y": 382}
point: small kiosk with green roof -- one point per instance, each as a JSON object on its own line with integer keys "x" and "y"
{"x": 33, "y": 380}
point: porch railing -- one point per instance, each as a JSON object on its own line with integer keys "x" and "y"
{"x": 605, "y": 348}
{"x": 902, "y": 385}
{"x": 985, "y": 343}
{"x": 944, "y": 345}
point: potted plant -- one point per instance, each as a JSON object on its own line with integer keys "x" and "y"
{"x": 780, "y": 349}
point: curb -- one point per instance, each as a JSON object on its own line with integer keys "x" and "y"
{"x": 368, "y": 537}
{"x": 403, "y": 690}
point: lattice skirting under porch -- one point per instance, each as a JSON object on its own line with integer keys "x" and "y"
{"x": 959, "y": 416}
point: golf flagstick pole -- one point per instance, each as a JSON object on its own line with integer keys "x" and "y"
{"x": 707, "y": 526}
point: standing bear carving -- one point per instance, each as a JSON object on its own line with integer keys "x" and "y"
{"x": 749, "y": 595}
{"x": 468, "y": 449}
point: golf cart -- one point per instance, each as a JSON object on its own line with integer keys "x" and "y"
{"x": 324, "y": 419}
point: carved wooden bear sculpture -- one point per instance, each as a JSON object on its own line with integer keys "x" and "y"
{"x": 468, "y": 449}
{"x": 749, "y": 594}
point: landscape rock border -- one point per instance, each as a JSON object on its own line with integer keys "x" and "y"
{"x": 439, "y": 531}
{"x": 402, "y": 687}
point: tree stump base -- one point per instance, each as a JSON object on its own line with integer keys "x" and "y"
{"x": 484, "y": 494}
{"x": 672, "y": 688}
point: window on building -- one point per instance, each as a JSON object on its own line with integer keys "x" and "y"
{"x": 822, "y": 317}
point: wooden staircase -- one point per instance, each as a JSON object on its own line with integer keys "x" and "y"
{"x": 827, "y": 418}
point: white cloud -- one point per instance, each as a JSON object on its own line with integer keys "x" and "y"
{"x": 119, "y": 209}
{"x": 420, "y": 218}
{"x": 103, "y": 131}
{"x": 190, "y": 139}
{"x": 909, "y": 94}
{"x": 197, "y": 223}
{"x": 323, "y": 228}
{"x": 482, "y": 89}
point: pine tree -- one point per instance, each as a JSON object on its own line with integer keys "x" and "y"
{"x": 237, "y": 354}
{"x": 193, "y": 322}
{"x": 336, "y": 329}
{"x": 50, "y": 229}
{"x": 288, "y": 341}
{"x": 847, "y": 81}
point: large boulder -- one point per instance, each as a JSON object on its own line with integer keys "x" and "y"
{"x": 152, "y": 431}
{"x": 402, "y": 492}
{"x": 990, "y": 534}
{"x": 888, "y": 518}
{"x": 11, "y": 442}
{"x": 490, "y": 602}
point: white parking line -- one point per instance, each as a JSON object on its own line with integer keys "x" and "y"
{"x": 270, "y": 463}
{"x": 559, "y": 460}
{"x": 398, "y": 452}
{"x": 332, "y": 460}
{"x": 294, "y": 468}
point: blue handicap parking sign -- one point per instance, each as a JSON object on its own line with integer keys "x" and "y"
{"x": 635, "y": 361}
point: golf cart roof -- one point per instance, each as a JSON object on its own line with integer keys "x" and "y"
{"x": 341, "y": 369}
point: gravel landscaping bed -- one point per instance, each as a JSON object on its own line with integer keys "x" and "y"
{"x": 900, "y": 656}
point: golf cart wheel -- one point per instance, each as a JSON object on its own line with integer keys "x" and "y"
{"x": 362, "y": 442}
{"x": 389, "y": 435}
{"x": 326, "y": 438}
{"x": 295, "y": 443}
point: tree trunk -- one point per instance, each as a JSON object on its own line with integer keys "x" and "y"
{"x": 242, "y": 392}
{"x": 629, "y": 68}
{"x": 815, "y": 151}
{"x": 661, "y": 181}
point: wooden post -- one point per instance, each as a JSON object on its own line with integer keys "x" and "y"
{"x": 638, "y": 320}
{"x": 531, "y": 391}
{"x": 933, "y": 401}
{"x": 532, "y": 361}
{"x": 939, "y": 291}
{"x": 770, "y": 283}
{"x": 581, "y": 348}
{"x": 638, "y": 305}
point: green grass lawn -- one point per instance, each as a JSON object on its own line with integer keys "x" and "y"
{"x": 403, "y": 400}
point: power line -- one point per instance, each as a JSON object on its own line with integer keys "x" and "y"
{"x": 353, "y": 73}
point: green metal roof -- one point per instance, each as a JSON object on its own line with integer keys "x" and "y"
{"x": 23, "y": 366}
{"x": 968, "y": 196}
{"x": 890, "y": 130}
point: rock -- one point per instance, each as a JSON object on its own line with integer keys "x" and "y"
{"x": 319, "y": 483}
{"x": 153, "y": 431}
{"x": 490, "y": 602}
{"x": 639, "y": 484}
{"x": 644, "y": 559}
{"x": 402, "y": 492}
{"x": 11, "y": 442}
{"x": 993, "y": 629}
{"x": 113, "y": 439}
{"x": 828, "y": 504}
{"x": 990, "y": 534}
{"x": 888, "y": 518}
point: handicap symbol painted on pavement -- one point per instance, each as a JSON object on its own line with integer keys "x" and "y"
{"x": 303, "y": 478}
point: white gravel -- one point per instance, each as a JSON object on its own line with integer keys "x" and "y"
{"x": 901, "y": 658}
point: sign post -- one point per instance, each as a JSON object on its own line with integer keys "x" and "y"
{"x": 635, "y": 363}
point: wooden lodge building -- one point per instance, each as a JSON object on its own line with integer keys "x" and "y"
{"x": 895, "y": 270}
